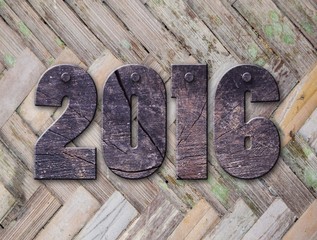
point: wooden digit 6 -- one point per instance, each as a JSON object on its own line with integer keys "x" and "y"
{"x": 230, "y": 129}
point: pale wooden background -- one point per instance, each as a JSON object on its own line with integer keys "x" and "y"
{"x": 280, "y": 35}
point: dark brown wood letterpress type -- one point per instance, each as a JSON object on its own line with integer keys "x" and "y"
{"x": 190, "y": 89}
{"x": 53, "y": 160}
{"x": 123, "y": 159}
{"x": 232, "y": 134}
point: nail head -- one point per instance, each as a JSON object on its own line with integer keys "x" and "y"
{"x": 246, "y": 77}
{"x": 65, "y": 77}
{"x": 135, "y": 77}
{"x": 189, "y": 77}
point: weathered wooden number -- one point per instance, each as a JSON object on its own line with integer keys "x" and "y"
{"x": 141, "y": 158}
{"x": 122, "y": 158}
{"x": 231, "y": 131}
{"x": 53, "y": 160}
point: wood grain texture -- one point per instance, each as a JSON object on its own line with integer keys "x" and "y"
{"x": 190, "y": 90}
{"x": 198, "y": 221}
{"x": 303, "y": 15}
{"x": 71, "y": 217}
{"x": 37, "y": 211}
{"x": 235, "y": 224}
{"x": 160, "y": 220}
{"x": 123, "y": 159}
{"x": 279, "y": 31}
{"x": 52, "y": 159}
{"x": 309, "y": 130}
{"x": 306, "y": 226}
{"x": 7, "y": 202}
{"x": 100, "y": 36}
{"x": 297, "y": 107}
{"x": 273, "y": 223}
{"x": 111, "y": 32}
{"x": 18, "y": 82}
{"x": 65, "y": 23}
{"x": 110, "y": 220}
{"x": 231, "y": 130}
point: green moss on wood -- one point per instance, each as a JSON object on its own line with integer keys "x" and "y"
{"x": 220, "y": 191}
{"x": 23, "y": 29}
{"x": 310, "y": 178}
{"x": 59, "y": 42}
{"x": 9, "y": 60}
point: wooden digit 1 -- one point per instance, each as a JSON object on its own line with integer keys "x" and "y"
{"x": 190, "y": 89}
{"x": 53, "y": 160}
{"x": 122, "y": 158}
{"x": 231, "y": 131}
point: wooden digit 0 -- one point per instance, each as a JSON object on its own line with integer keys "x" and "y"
{"x": 120, "y": 156}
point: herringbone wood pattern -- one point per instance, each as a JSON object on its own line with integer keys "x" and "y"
{"x": 280, "y": 35}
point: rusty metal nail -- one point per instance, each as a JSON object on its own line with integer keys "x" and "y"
{"x": 135, "y": 77}
{"x": 65, "y": 77}
{"x": 189, "y": 77}
{"x": 246, "y": 77}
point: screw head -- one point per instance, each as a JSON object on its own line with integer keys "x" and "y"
{"x": 189, "y": 77}
{"x": 65, "y": 77}
{"x": 246, "y": 77}
{"x": 135, "y": 77}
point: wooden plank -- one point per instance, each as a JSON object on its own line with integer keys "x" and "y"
{"x": 281, "y": 34}
{"x": 284, "y": 183}
{"x": 37, "y": 26}
{"x": 11, "y": 45}
{"x": 208, "y": 221}
{"x": 21, "y": 27}
{"x": 109, "y": 29}
{"x": 100, "y": 69}
{"x": 21, "y": 140}
{"x": 18, "y": 82}
{"x": 306, "y": 226}
{"x": 70, "y": 29}
{"x": 302, "y": 159}
{"x": 235, "y": 224}
{"x": 236, "y": 38}
{"x": 157, "y": 222}
{"x": 15, "y": 177}
{"x": 297, "y": 107}
{"x": 273, "y": 223}
{"x": 194, "y": 225}
{"x": 191, "y": 31}
{"x": 309, "y": 130}
{"x": 7, "y": 202}
{"x": 150, "y": 32}
{"x": 230, "y": 33}
{"x": 303, "y": 15}
{"x": 74, "y": 214}
{"x": 33, "y": 216}
{"x": 110, "y": 220}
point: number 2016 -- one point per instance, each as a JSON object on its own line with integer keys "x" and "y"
{"x": 136, "y": 83}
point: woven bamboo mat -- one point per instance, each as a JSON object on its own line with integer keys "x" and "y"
{"x": 280, "y": 35}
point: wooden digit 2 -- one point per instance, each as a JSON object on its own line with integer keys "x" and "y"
{"x": 123, "y": 159}
{"x": 230, "y": 129}
{"x": 190, "y": 89}
{"x": 53, "y": 160}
